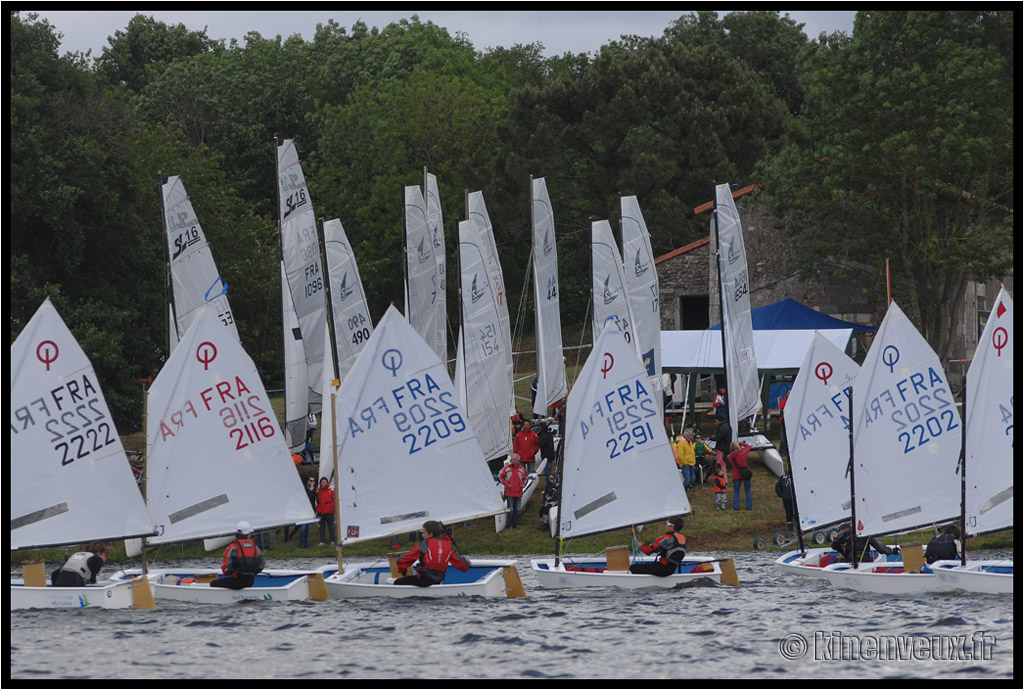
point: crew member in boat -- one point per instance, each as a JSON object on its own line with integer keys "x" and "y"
{"x": 82, "y": 567}
{"x": 945, "y": 546}
{"x": 670, "y": 549}
{"x": 435, "y": 553}
{"x": 242, "y": 560}
{"x": 843, "y": 542}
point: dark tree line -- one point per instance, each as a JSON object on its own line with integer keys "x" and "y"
{"x": 712, "y": 99}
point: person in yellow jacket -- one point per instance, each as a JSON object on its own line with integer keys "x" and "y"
{"x": 686, "y": 457}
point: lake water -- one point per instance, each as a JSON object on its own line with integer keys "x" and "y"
{"x": 754, "y": 631}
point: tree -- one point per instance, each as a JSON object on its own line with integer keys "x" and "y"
{"x": 908, "y": 155}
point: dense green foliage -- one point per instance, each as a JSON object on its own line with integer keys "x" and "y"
{"x": 909, "y": 145}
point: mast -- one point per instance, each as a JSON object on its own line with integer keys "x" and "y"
{"x": 721, "y": 312}
{"x": 853, "y": 488}
{"x": 792, "y": 489}
{"x": 963, "y": 481}
{"x": 335, "y": 383}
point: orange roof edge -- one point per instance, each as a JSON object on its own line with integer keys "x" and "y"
{"x": 682, "y": 250}
{"x": 735, "y": 195}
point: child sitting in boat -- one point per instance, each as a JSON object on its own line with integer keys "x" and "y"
{"x": 434, "y": 553}
{"x": 670, "y": 549}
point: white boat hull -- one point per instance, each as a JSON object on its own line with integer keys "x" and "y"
{"x": 813, "y": 562}
{"x": 591, "y": 572}
{"x": 986, "y": 577}
{"x": 883, "y": 578}
{"x": 106, "y": 595}
{"x": 768, "y": 452}
{"x": 191, "y": 585}
{"x": 486, "y": 578}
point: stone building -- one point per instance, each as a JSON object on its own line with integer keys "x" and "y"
{"x": 689, "y": 294}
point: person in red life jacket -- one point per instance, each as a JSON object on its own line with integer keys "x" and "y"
{"x": 325, "y": 511}
{"x": 513, "y": 478}
{"x": 526, "y": 446}
{"x": 242, "y": 560}
{"x": 434, "y": 553}
{"x": 741, "y": 473}
{"x": 670, "y": 549}
{"x": 720, "y": 489}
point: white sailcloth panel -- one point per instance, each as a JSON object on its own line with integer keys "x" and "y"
{"x": 619, "y": 468}
{"x": 300, "y": 247}
{"x": 327, "y": 442}
{"x": 70, "y": 481}
{"x": 352, "y": 323}
{"x": 407, "y": 451}
{"x": 608, "y": 284}
{"x": 296, "y": 375}
{"x": 216, "y": 454}
{"x": 906, "y": 433}
{"x": 743, "y": 384}
{"x": 817, "y": 428}
{"x": 435, "y": 223}
{"x": 422, "y": 288}
{"x": 642, "y": 285}
{"x": 194, "y": 277}
{"x": 990, "y": 381}
{"x": 488, "y": 393}
{"x": 551, "y": 381}
{"x": 478, "y": 212}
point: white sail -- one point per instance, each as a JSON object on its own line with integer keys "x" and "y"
{"x": 435, "y": 224}
{"x": 484, "y": 387}
{"x": 618, "y": 466}
{"x": 817, "y": 430}
{"x": 608, "y": 284}
{"x": 215, "y": 452}
{"x": 407, "y": 452}
{"x": 422, "y": 286}
{"x": 906, "y": 433}
{"x": 743, "y": 385}
{"x": 990, "y": 382}
{"x": 194, "y": 277}
{"x": 70, "y": 481}
{"x": 551, "y": 381}
{"x": 642, "y": 285}
{"x": 300, "y": 249}
{"x": 296, "y": 375}
{"x": 477, "y": 211}
{"x": 352, "y": 323}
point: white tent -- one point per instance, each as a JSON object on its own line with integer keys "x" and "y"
{"x": 777, "y": 350}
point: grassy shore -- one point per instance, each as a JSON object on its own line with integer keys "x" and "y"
{"x": 707, "y": 529}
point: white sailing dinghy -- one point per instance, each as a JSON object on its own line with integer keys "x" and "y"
{"x": 407, "y": 454}
{"x": 617, "y": 471}
{"x": 906, "y": 448}
{"x": 216, "y": 456}
{"x": 743, "y": 385}
{"x": 642, "y": 288}
{"x": 302, "y": 293}
{"x": 67, "y": 465}
{"x": 817, "y": 420}
{"x": 987, "y": 471}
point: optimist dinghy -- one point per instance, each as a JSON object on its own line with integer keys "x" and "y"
{"x": 67, "y": 466}
{"x": 617, "y": 471}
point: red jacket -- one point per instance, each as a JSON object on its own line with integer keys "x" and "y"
{"x": 513, "y": 478}
{"x": 325, "y": 501}
{"x": 525, "y": 445}
{"x": 738, "y": 458}
{"x": 434, "y": 554}
{"x": 242, "y": 556}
